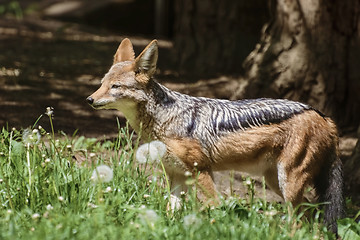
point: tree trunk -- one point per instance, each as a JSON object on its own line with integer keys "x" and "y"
{"x": 215, "y": 36}
{"x": 309, "y": 52}
{"x": 352, "y": 172}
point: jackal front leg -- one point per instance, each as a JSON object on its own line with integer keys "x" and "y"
{"x": 186, "y": 155}
{"x": 205, "y": 181}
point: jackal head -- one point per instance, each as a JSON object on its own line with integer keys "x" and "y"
{"x": 124, "y": 86}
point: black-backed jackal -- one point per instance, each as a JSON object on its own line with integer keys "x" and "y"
{"x": 289, "y": 143}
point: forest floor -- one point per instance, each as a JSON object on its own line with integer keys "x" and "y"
{"x": 59, "y": 64}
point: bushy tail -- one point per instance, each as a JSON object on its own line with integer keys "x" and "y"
{"x": 332, "y": 194}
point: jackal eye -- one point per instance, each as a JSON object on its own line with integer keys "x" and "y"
{"x": 114, "y": 86}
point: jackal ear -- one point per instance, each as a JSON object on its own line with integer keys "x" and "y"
{"x": 146, "y": 61}
{"x": 125, "y": 52}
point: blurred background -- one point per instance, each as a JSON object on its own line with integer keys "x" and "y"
{"x": 55, "y": 52}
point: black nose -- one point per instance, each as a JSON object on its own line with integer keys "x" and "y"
{"x": 90, "y": 100}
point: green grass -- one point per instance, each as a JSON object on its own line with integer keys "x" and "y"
{"x": 46, "y": 193}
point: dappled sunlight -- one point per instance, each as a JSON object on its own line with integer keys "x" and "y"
{"x": 56, "y": 30}
{"x": 51, "y": 63}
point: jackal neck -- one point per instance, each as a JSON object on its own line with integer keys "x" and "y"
{"x": 153, "y": 113}
{"x": 159, "y": 94}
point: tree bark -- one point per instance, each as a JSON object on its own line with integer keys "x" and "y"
{"x": 309, "y": 52}
{"x": 215, "y": 36}
{"x": 352, "y": 172}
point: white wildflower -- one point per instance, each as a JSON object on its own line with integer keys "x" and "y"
{"x": 142, "y": 153}
{"x": 153, "y": 179}
{"x": 160, "y": 148}
{"x": 61, "y": 198}
{"x": 91, "y": 205}
{"x": 102, "y": 173}
{"x": 191, "y": 220}
{"x": 195, "y": 164}
{"x": 271, "y": 213}
{"x": 315, "y": 237}
{"x": 149, "y": 216}
{"x": 46, "y": 214}
{"x": 188, "y": 174}
{"x": 47, "y": 160}
{"x": 150, "y": 152}
{"x": 248, "y": 182}
{"x": 92, "y": 155}
{"x": 49, "y": 207}
{"x": 31, "y": 137}
{"x": 35, "y": 216}
{"x": 49, "y": 111}
{"x": 108, "y": 189}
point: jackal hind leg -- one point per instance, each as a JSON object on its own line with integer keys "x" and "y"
{"x": 272, "y": 181}
{"x": 294, "y": 177}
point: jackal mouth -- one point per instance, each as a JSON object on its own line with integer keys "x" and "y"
{"x": 95, "y": 104}
{"x": 99, "y": 105}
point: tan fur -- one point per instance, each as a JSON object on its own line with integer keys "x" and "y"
{"x": 205, "y": 180}
{"x": 142, "y": 78}
{"x": 125, "y": 52}
{"x": 189, "y": 151}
